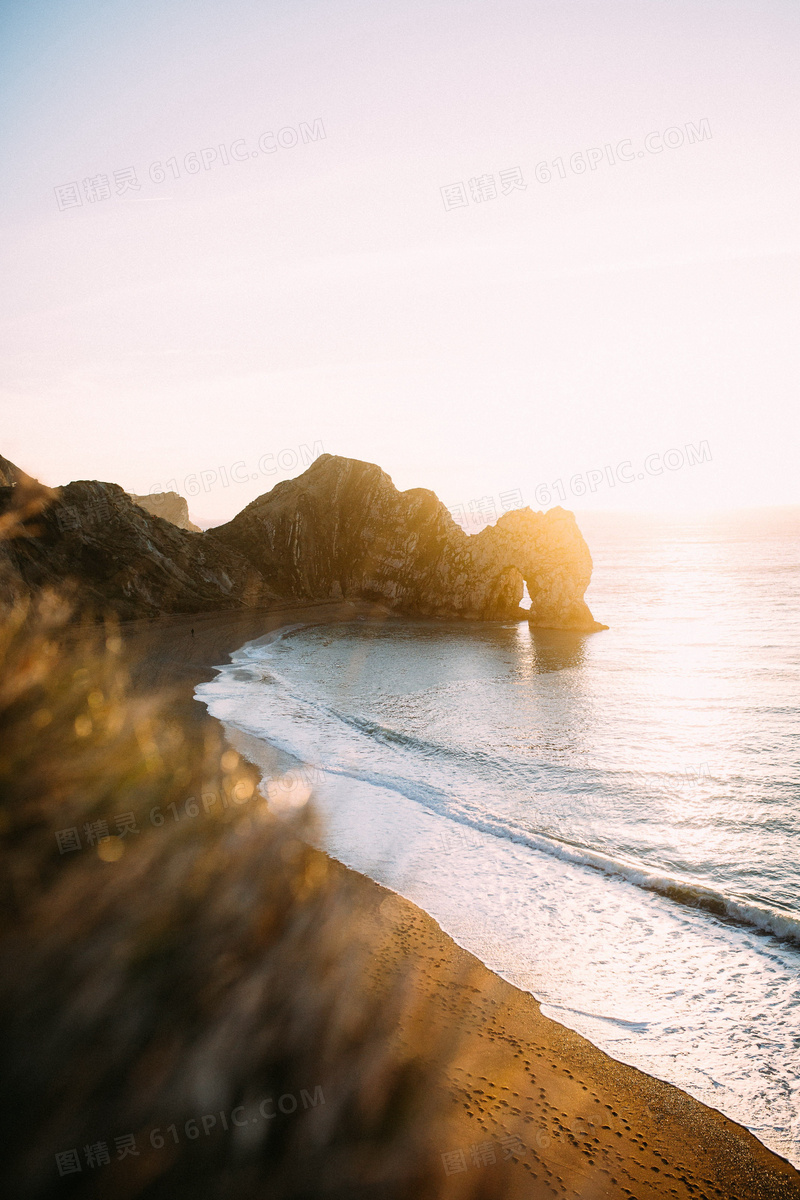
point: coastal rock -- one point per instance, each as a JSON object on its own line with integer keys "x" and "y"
{"x": 9, "y": 473}
{"x": 549, "y": 552}
{"x": 342, "y": 529}
{"x": 21, "y": 500}
{"x": 170, "y": 506}
{"x": 114, "y": 556}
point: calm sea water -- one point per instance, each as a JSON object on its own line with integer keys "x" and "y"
{"x": 610, "y": 821}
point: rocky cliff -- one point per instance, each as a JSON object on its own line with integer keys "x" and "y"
{"x": 342, "y": 529}
{"x": 9, "y": 474}
{"x": 168, "y": 505}
{"x": 92, "y": 538}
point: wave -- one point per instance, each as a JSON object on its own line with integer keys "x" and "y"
{"x": 762, "y": 917}
{"x": 634, "y": 1026}
{"x": 689, "y": 893}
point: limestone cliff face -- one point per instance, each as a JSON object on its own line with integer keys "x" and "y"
{"x": 548, "y": 551}
{"x": 169, "y": 506}
{"x": 115, "y": 556}
{"x": 342, "y": 529}
{"x": 9, "y": 474}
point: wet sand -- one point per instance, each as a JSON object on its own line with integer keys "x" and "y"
{"x": 524, "y": 1099}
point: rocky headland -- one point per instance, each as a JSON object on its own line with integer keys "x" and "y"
{"x": 93, "y": 541}
{"x": 341, "y": 530}
{"x": 169, "y": 505}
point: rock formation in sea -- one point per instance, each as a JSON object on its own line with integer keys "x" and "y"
{"x": 169, "y": 505}
{"x": 341, "y": 529}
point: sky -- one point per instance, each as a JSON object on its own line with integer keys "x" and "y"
{"x": 516, "y": 252}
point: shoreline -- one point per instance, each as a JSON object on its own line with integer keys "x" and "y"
{"x": 605, "y": 1127}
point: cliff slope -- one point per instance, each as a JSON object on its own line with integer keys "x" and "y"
{"x": 342, "y": 529}
{"x": 115, "y": 556}
{"x": 9, "y": 473}
{"x": 339, "y": 530}
{"x": 168, "y": 505}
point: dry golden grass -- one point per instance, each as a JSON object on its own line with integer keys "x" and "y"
{"x": 185, "y": 969}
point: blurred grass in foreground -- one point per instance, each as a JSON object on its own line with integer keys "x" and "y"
{"x": 187, "y": 969}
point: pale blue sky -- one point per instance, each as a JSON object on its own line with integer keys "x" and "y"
{"x": 321, "y": 293}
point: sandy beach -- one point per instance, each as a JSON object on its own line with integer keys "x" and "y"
{"x": 524, "y": 1098}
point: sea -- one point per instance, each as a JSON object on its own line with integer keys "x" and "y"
{"x": 610, "y": 821}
